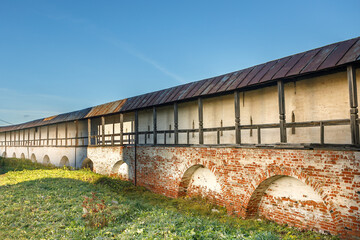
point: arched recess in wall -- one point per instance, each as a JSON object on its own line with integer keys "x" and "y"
{"x": 33, "y": 158}
{"x": 199, "y": 181}
{"x": 121, "y": 170}
{"x": 286, "y": 199}
{"x": 64, "y": 161}
{"x": 14, "y": 155}
{"x": 4, "y": 155}
{"x": 46, "y": 160}
{"x": 87, "y": 163}
{"x": 22, "y": 156}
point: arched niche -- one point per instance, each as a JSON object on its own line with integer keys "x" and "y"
{"x": 287, "y": 200}
{"x": 199, "y": 180}
{"x": 64, "y": 161}
{"x": 33, "y": 158}
{"x": 4, "y": 155}
{"x": 121, "y": 169}
{"x": 88, "y": 163}
{"x": 46, "y": 160}
{"x": 22, "y": 156}
{"x": 14, "y": 155}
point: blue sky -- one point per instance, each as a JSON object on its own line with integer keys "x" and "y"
{"x": 60, "y": 56}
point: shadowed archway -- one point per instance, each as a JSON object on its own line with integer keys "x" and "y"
{"x": 46, "y": 160}
{"x": 22, "y": 156}
{"x": 286, "y": 199}
{"x": 199, "y": 180}
{"x": 121, "y": 169}
{"x": 14, "y": 155}
{"x": 64, "y": 161}
{"x": 87, "y": 163}
{"x": 33, "y": 158}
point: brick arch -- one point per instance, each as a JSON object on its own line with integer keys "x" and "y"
{"x": 189, "y": 171}
{"x": 119, "y": 165}
{"x": 273, "y": 173}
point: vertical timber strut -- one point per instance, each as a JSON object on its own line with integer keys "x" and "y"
{"x": 201, "y": 127}
{"x": 89, "y": 132}
{"x": 136, "y": 142}
{"x": 237, "y": 117}
{"x": 354, "y": 126}
{"x": 281, "y": 96}
{"x": 121, "y": 128}
{"x": 176, "y": 124}
{"x": 154, "y": 126}
{"x": 103, "y": 130}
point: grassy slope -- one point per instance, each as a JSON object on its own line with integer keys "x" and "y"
{"x": 45, "y": 203}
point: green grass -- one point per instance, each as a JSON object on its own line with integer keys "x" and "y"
{"x": 38, "y": 202}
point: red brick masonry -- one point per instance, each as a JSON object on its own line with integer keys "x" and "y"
{"x": 245, "y": 174}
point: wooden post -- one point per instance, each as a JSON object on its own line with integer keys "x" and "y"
{"x": 103, "y": 130}
{"x": 154, "y": 126}
{"x": 200, "y": 110}
{"x": 322, "y": 135}
{"x": 56, "y": 134}
{"x": 351, "y": 75}
{"x": 135, "y": 143}
{"x": 28, "y": 137}
{"x": 5, "y": 140}
{"x": 121, "y": 129}
{"x": 237, "y": 117}
{"x": 258, "y": 135}
{"x": 34, "y": 136}
{"x": 76, "y": 132}
{"x": 39, "y": 136}
{"x": 47, "y": 135}
{"x": 89, "y": 132}
{"x": 113, "y": 134}
{"x": 66, "y": 133}
{"x": 136, "y": 127}
{"x": 281, "y": 97}
{"x": 176, "y": 124}
{"x": 23, "y": 140}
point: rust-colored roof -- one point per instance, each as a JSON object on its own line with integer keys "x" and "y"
{"x": 327, "y": 57}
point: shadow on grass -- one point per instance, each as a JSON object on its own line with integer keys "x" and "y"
{"x": 14, "y": 164}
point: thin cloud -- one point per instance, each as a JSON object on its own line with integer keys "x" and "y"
{"x": 125, "y": 47}
{"x": 119, "y": 44}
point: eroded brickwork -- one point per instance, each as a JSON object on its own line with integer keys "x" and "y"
{"x": 332, "y": 175}
{"x": 309, "y": 189}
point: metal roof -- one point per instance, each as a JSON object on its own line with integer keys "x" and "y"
{"x": 324, "y": 58}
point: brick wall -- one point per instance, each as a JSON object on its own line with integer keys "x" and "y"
{"x": 309, "y": 189}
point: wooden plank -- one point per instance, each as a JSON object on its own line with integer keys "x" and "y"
{"x": 103, "y": 130}
{"x": 154, "y": 126}
{"x": 322, "y": 135}
{"x": 121, "y": 129}
{"x": 176, "y": 124}
{"x": 237, "y": 117}
{"x": 200, "y": 110}
{"x": 136, "y": 127}
{"x": 47, "y": 135}
{"x": 76, "y": 132}
{"x": 89, "y": 132}
{"x": 281, "y": 98}
{"x": 57, "y": 134}
{"x": 66, "y": 133}
{"x": 354, "y": 126}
